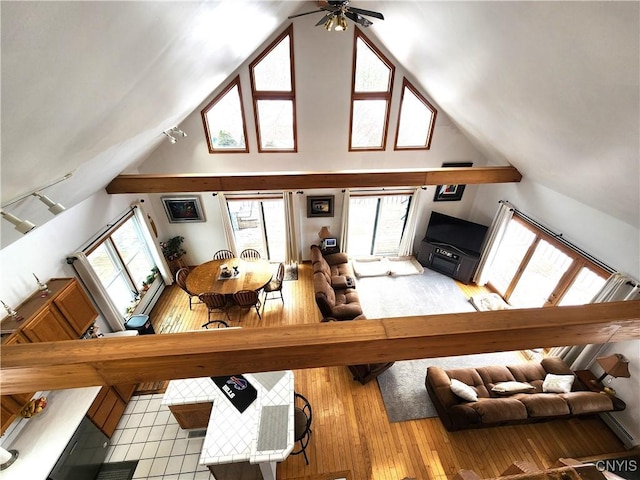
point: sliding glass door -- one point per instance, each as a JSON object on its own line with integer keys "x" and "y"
{"x": 259, "y": 224}
{"x": 376, "y": 224}
{"x": 534, "y": 269}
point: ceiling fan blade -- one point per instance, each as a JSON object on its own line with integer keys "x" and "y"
{"x": 360, "y": 20}
{"x": 366, "y": 12}
{"x": 305, "y": 13}
{"x": 325, "y": 18}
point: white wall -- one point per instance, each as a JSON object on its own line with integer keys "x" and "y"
{"x": 628, "y": 389}
{"x": 43, "y": 251}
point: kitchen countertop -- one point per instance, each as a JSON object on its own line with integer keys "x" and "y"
{"x": 44, "y": 437}
{"x": 234, "y": 437}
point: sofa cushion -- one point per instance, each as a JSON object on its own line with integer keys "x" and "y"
{"x": 494, "y": 374}
{"x": 470, "y": 376}
{"x": 557, "y": 383}
{"x": 463, "y": 390}
{"x": 499, "y": 410}
{"x": 587, "y": 402}
{"x": 510, "y": 388}
{"x": 556, "y": 365}
{"x": 544, "y": 405}
{"x": 532, "y": 373}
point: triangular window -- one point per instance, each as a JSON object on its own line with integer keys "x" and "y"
{"x": 370, "y": 96}
{"x": 273, "y": 91}
{"x": 223, "y": 120}
{"x": 416, "y": 120}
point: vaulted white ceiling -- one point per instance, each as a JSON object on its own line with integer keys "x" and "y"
{"x": 550, "y": 87}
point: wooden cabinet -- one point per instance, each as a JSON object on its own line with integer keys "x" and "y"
{"x": 64, "y": 314}
{"x": 192, "y": 415}
{"x": 109, "y": 405}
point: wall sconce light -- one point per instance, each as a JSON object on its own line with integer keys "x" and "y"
{"x": 23, "y": 226}
{"x": 54, "y": 207}
{"x": 172, "y": 133}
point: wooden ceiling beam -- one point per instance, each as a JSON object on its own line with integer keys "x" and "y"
{"x": 164, "y": 183}
{"x": 147, "y": 358}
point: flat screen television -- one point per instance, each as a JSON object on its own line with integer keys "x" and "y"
{"x": 452, "y": 231}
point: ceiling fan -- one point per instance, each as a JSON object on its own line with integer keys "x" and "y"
{"x": 337, "y": 13}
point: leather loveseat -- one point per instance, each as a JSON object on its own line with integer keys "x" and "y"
{"x": 333, "y": 285}
{"x": 493, "y": 409}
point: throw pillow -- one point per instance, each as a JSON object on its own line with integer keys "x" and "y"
{"x": 509, "y": 388}
{"x": 557, "y": 383}
{"x": 463, "y": 390}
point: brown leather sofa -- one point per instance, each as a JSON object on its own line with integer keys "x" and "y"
{"x": 337, "y": 299}
{"x": 493, "y": 409}
{"x": 333, "y": 283}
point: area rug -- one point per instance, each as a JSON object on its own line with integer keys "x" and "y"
{"x": 397, "y": 296}
{"x": 117, "y": 470}
{"x": 403, "y": 385}
{"x": 290, "y": 272}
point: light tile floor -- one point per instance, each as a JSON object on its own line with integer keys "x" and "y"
{"x": 148, "y": 432}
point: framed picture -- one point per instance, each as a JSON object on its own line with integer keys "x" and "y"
{"x": 183, "y": 209}
{"x": 320, "y": 206}
{"x": 450, "y": 193}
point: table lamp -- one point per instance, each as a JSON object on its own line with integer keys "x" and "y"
{"x": 324, "y": 233}
{"x": 615, "y": 365}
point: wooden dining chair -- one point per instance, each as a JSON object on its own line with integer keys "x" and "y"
{"x": 274, "y": 286}
{"x": 181, "y": 280}
{"x": 250, "y": 254}
{"x": 248, "y": 299}
{"x": 215, "y": 302}
{"x": 223, "y": 255}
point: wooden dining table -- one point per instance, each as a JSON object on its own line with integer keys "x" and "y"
{"x": 252, "y": 275}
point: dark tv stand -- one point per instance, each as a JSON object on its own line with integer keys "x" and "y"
{"x": 448, "y": 260}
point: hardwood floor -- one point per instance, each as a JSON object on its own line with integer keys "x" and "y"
{"x": 350, "y": 427}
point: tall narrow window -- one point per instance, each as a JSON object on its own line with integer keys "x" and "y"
{"x": 273, "y": 91}
{"x": 416, "y": 120}
{"x": 370, "y": 96}
{"x": 223, "y": 120}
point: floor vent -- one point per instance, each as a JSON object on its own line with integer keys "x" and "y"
{"x": 196, "y": 434}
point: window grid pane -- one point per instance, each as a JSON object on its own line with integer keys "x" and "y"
{"x": 273, "y": 72}
{"x": 368, "y": 123}
{"x": 415, "y": 121}
{"x": 275, "y": 124}
{"x": 585, "y": 286}
{"x": 514, "y": 246}
{"x": 390, "y": 225}
{"x": 225, "y": 122}
{"x": 372, "y": 75}
{"x": 540, "y": 277}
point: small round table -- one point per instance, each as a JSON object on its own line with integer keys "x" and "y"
{"x": 253, "y": 275}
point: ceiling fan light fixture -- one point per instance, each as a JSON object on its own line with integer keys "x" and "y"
{"x": 328, "y": 24}
{"x": 341, "y": 24}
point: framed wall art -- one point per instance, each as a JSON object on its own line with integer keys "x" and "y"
{"x": 320, "y": 206}
{"x": 183, "y": 209}
{"x": 450, "y": 193}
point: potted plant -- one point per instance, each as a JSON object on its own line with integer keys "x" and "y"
{"x": 173, "y": 252}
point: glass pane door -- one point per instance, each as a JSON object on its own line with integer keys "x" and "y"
{"x": 517, "y": 240}
{"x": 540, "y": 277}
{"x": 376, "y": 224}
{"x": 259, "y": 224}
{"x": 584, "y": 287}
